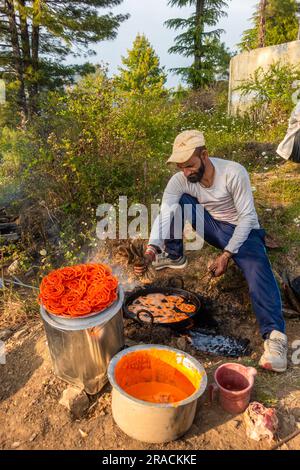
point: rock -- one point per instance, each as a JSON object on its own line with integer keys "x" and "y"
{"x": 82, "y": 433}
{"x": 5, "y": 334}
{"x": 75, "y": 400}
{"x": 181, "y": 343}
{"x": 15, "y": 445}
{"x": 131, "y": 331}
{"x": 32, "y": 437}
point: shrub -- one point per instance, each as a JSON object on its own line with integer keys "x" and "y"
{"x": 94, "y": 143}
{"x": 274, "y": 90}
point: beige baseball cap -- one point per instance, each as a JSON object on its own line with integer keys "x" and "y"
{"x": 185, "y": 145}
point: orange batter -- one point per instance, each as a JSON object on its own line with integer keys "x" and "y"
{"x": 156, "y": 392}
{"x": 156, "y": 376}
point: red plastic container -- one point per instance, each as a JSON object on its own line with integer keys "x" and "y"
{"x": 234, "y": 382}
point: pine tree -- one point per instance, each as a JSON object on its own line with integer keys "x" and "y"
{"x": 208, "y": 52}
{"x": 36, "y": 36}
{"x": 141, "y": 71}
{"x": 274, "y": 22}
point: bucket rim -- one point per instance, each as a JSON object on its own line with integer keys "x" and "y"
{"x": 234, "y": 392}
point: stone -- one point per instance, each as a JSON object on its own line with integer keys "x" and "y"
{"x": 15, "y": 445}
{"x": 5, "y": 334}
{"x": 131, "y": 331}
{"x": 83, "y": 433}
{"x": 75, "y": 400}
{"x": 181, "y": 343}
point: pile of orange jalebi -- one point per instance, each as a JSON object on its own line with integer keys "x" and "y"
{"x": 76, "y": 291}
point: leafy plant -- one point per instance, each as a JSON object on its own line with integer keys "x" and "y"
{"x": 273, "y": 88}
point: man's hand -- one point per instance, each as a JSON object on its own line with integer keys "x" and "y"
{"x": 141, "y": 267}
{"x": 220, "y": 265}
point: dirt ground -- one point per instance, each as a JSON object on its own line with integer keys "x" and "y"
{"x": 32, "y": 417}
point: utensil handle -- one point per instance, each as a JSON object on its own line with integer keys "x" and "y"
{"x": 212, "y": 390}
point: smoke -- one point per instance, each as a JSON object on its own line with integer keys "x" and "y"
{"x": 106, "y": 253}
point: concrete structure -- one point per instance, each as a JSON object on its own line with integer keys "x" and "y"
{"x": 244, "y": 65}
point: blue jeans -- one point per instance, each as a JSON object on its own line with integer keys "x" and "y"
{"x": 251, "y": 259}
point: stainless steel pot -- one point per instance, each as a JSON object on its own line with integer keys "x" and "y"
{"x": 155, "y": 422}
{"x": 81, "y": 348}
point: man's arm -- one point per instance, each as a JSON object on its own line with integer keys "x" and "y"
{"x": 161, "y": 225}
{"x": 240, "y": 188}
{"x": 241, "y": 191}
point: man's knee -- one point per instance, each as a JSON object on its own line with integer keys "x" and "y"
{"x": 188, "y": 199}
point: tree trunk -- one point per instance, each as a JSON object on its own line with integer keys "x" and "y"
{"x": 262, "y": 23}
{"x": 18, "y": 60}
{"x": 198, "y": 42}
{"x": 26, "y": 50}
{"x": 35, "y": 41}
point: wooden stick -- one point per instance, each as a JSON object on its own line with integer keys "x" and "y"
{"x": 208, "y": 273}
{"x": 287, "y": 439}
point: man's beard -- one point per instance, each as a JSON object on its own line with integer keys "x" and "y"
{"x": 197, "y": 177}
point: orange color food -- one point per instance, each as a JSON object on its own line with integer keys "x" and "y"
{"x": 163, "y": 308}
{"x": 156, "y": 376}
{"x": 156, "y": 392}
{"x": 77, "y": 291}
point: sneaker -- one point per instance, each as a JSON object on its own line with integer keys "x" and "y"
{"x": 163, "y": 261}
{"x": 275, "y": 355}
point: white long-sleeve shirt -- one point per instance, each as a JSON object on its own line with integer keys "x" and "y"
{"x": 229, "y": 199}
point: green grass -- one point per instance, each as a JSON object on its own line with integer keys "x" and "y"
{"x": 277, "y": 199}
{"x": 270, "y": 387}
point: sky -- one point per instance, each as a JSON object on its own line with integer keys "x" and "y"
{"x": 148, "y": 16}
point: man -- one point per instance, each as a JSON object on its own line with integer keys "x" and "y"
{"x": 289, "y": 148}
{"x": 219, "y": 192}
